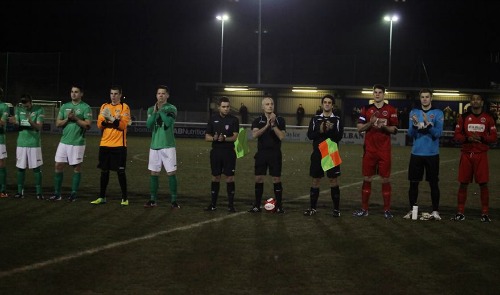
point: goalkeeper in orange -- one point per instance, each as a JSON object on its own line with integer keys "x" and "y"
{"x": 113, "y": 121}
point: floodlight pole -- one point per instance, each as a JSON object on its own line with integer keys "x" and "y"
{"x": 259, "y": 46}
{"x": 391, "y": 19}
{"x": 222, "y": 18}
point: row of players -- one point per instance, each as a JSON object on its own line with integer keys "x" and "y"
{"x": 475, "y": 130}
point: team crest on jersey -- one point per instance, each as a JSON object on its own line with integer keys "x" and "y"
{"x": 384, "y": 113}
{"x": 431, "y": 116}
{"x": 483, "y": 120}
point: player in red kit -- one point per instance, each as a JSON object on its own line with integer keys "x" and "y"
{"x": 379, "y": 121}
{"x": 476, "y": 131}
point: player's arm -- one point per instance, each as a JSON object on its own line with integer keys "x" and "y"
{"x": 152, "y": 116}
{"x": 436, "y": 128}
{"x": 459, "y": 135}
{"x": 256, "y": 132}
{"x": 279, "y": 128}
{"x": 491, "y": 133}
{"x": 391, "y": 127}
{"x": 231, "y": 138}
{"x": 210, "y": 135}
{"x": 313, "y": 131}
{"x": 83, "y": 123}
{"x": 38, "y": 123}
{"x": 168, "y": 118}
{"x": 124, "y": 118}
{"x": 363, "y": 125}
{"x": 4, "y": 118}
{"x": 336, "y": 131}
{"x": 101, "y": 121}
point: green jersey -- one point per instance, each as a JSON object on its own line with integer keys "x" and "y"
{"x": 73, "y": 134}
{"x": 4, "y": 116}
{"x": 162, "y": 125}
{"x": 28, "y": 136}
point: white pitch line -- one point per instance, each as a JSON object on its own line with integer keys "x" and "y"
{"x": 95, "y": 250}
{"x": 111, "y": 246}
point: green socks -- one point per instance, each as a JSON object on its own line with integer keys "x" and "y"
{"x": 153, "y": 187}
{"x": 172, "y": 184}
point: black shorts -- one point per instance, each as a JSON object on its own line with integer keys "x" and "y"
{"x": 223, "y": 161}
{"x": 112, "y": 158}
{"x": 420, "y": 163}
{"x": 271, "y": 159}
{"x": 316, "y": 171}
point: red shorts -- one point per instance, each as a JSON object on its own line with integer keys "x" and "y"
{"x": 473, "y": 165}
{"x": 377, "y": 163}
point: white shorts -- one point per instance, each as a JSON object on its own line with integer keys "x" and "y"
{"x": 3, "y": 151}
{"x": 164, "y": 157}
{"x": 29, "y": 157}
{"x": 71, "y": 154}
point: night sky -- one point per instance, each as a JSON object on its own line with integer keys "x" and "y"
{"x": 139, "y": 44}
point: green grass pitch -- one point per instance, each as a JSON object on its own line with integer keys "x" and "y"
{"x": 76, "y": 248}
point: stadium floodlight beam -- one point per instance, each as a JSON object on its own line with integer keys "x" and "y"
{"x": 391, "y": 19}
{"x": 222, "y": 19}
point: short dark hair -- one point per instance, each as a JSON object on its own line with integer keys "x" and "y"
{"x": 163, "y": 87}
{"x": 379, "y": 86}
{"x": 25, "y": 98}
{"x": 328, "y": 96}
{"x": 223, "y": 99}
{"x": 477, "y": 94}
{"x": 425, "y": 90}
{"x": 117, "y": 87}
{"x": 77, "y": 86}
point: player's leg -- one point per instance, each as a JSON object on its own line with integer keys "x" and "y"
{"x": 465, "y": 173}
{"x": 154, "y": 165}
{"x": 316, "y": 172}
{"x": 35, "y": 162}
{"x": 3, "y": 171}
{"x": 216, "y": 170}
{"x": 229, "y": 170}
{"x": 169, "y": 160}
{"x": 75, "y": 159}
{"x": 333, "y": 175}
{"x": 275, "y": 161}
{"x": 260, "y": 170}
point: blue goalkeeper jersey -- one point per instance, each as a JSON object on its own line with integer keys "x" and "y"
{"x": 426, "y": 139}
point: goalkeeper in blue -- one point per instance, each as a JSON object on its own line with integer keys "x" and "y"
{"x": 161, "y": 119}
{"x": 425, "y": 127}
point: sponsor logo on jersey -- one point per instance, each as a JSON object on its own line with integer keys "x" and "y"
{"x": 476, "y": 128}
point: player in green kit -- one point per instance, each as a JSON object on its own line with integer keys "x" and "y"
{"x": 75, "y": 118}
{"x": 4, "y": 116}
{"x": 161, "y": 119}
{"x": 29, "y": 119}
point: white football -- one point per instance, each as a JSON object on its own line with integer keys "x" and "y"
{"x": 270, "y": 204}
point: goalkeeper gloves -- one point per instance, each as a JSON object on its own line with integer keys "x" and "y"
{"x": 106, "y": 113}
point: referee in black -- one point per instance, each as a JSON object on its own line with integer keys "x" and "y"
{"x": 325, "y": 125}
{"x": 222, "y": 131}
{"x": 270, "y": 131}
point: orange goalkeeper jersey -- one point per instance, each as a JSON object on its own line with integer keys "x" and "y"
{"x": 114, "y": 134}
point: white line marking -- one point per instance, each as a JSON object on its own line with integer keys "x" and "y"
{"x": 95, "y": 250}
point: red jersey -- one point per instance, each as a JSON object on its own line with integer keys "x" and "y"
{"x": 375, "y": 138}
{"x": 482, "y": 125}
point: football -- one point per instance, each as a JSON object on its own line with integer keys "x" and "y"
{"x": 270, "y": 204}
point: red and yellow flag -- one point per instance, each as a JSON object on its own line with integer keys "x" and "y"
{"x": 330, "y": 156}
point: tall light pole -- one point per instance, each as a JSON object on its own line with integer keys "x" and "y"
{"x": 391, "y": 19}
{"x": 222, "y": 19}
{"x": 259, "y": 46}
